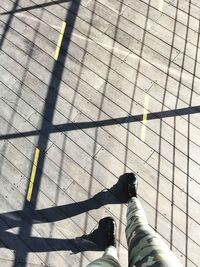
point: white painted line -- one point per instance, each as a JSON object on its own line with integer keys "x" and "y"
{"x": 161, "y": 4}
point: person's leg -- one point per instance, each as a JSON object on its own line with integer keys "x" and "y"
{"x": 146, "y": 248}
{"x": 109, "y": 259}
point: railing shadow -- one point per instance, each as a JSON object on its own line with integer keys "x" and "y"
{"x": 54, "y": 84}
{"x": 35, "y": 7}
{"x": 95, "y": 124}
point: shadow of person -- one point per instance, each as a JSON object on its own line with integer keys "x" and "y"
{"x": 93, "y": 242}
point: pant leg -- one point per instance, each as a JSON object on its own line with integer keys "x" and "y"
{"x": 146, "y": 248}
{"x": 109, "y": 259}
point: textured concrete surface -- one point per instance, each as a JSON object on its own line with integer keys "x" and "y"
{"x": 85, "y": 113}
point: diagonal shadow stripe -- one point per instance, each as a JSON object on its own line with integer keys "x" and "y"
{"x": 94, "y": 124}
{"x": 8, "y": 23}
{"x": 35, "y": 7}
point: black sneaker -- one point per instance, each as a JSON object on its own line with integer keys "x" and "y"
{"x": 107, "y": 226}
{"x": 105, "y": 235}
{"x": 125, "y": 188}
{"x": 132, "y": 184}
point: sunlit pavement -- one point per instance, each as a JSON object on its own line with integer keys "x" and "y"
{"x": 90, "y": 90}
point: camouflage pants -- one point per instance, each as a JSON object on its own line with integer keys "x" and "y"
{"x": 109, "y": 259}
{"x": 145, "y": 247}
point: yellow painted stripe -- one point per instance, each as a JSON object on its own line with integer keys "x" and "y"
{"x": 60, "y": 40}
{"x": 144, "y": 121}
{"x": 32, "y": 179}
{"x": 161, "y": 4}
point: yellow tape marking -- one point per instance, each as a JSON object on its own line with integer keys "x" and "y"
{"x": 60, "y": 40}
{"x": 161, "y": 4}
{"x": 144, "y": 121}
{"x": 32, "y": 179}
